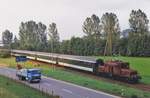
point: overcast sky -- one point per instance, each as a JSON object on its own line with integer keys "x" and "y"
{"x": 67, "y": 14}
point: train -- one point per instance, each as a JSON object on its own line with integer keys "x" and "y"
{"x": 115, "y": 69}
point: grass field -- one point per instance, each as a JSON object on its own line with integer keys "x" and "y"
{"x": 13, "y": 89}
{"x": 62, "y": 74}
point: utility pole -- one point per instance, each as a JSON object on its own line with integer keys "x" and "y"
{"x": 108, "y": 46}
{"x": 52, "y": 50}
{"x": 10, "y": 50}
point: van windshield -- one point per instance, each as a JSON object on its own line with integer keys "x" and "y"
{"x": 35, "y": 72}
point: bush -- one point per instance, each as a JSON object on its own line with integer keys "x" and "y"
{"x": 4, "y": 53}
{"x": 134, "y": 96}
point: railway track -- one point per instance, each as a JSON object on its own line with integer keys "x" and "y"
{"x": 143, "y": 87}
{"x": 140, "y": 86}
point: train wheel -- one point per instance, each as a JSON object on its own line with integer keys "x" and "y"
{"x": 115, "y": 77}
{"x": 131, "y": 81}
{"x": 127, "y": 80}
{"x": 110, "y": 75}
{"x": 19, "y": 77}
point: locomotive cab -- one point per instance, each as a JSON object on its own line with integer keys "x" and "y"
{"x": 130, "y": 74}
{"x": 134, "y": 77}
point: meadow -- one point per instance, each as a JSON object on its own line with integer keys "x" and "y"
{"x": 13, "y": 89}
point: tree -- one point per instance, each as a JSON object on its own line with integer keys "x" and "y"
{"x": 139, "y": 35}
{"x": 7, "y": 37}
{"x": 138, "y": 21}
{"x": 28, "y": 36}
{"x": 77, "y": 46}
{"x": 32, "y": 36}
{"x": 111, "y": 30}
{"x": 89, "y": 46}
{"x": 65, "y": 47}
{"x": 92, "y": 27}
{"x": 15, "y": 44}
{"x": 54, "y": 38}
{"x": 42, "y": 37}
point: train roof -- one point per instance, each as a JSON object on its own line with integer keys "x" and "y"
{"x": 60, "y": 56}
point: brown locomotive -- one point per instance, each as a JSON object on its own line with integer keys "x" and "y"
{"x": 118, "y": 70}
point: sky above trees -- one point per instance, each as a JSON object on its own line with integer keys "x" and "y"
{"x": 69, "y": 15}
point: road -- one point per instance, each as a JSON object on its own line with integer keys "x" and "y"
{"x": 57, "y": 87}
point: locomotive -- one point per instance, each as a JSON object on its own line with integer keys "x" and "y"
{"x": 118, "y": 70}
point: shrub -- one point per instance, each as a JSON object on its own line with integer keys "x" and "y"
{"x": 4, "y": 53}
{"x": 134, "y": 96}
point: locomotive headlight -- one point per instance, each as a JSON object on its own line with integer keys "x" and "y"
{"x": 134, "y": 76}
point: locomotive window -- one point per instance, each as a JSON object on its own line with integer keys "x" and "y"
{"x": 125, "y": 66}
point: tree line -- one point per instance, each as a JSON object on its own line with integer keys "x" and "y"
{"x": 133, "y": 41}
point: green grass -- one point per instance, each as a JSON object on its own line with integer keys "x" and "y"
{"x": 13, "y": 89}
{"x": 62, "y": 74}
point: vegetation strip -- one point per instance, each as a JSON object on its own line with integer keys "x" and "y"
{"x": 10, "y": 88}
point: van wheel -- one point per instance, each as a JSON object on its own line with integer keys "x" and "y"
{"x": 22, "y": 78}
{"x": 19, "y": 77}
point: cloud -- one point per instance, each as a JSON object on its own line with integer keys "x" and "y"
{"x": 68, "y": 14}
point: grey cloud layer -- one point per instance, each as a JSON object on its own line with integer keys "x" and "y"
{"x": 68, "y": 14}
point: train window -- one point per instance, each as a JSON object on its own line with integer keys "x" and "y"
{"x": 79, "y": 63}
{"x": 69, "y": 61}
